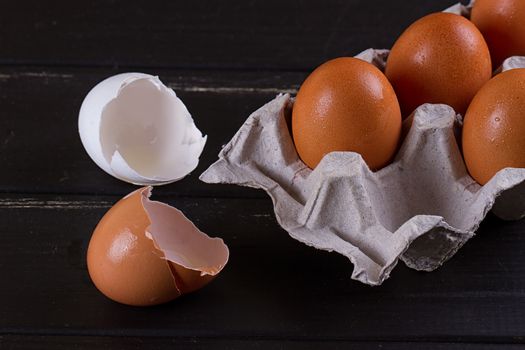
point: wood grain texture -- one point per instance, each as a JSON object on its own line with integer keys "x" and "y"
{"x": 224, "y": 59}
{"x": 273, "y": 287}
{"x": 17, "y": 342}
{"x": 262, "y": 34}
{"x": 39, "y": 139}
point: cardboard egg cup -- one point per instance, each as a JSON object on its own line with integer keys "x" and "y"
{"x": 421, "y": 208}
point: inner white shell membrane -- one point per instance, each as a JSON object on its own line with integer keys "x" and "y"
{"x": 181, "y": 241}
{"x": 138, "y": 130}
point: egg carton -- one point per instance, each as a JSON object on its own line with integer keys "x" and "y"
{"x": 421, "y": 208}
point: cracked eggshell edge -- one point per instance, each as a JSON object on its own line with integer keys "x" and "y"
{"x": 89, "y": 124}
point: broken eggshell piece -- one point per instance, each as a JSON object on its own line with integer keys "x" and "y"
{"x": 137, "y": 130}
{"x": 145, "y": 252}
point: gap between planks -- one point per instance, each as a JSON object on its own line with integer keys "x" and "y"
{"x": 35, "y": 203}
{"x": 149, "y": 336}
{"x": 174, "y": 86}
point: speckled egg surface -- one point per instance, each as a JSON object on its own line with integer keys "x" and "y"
{"x": 346, "y": 104}
{"x": 494, "y": 126}
{"x": 440, "y": 58}
{"x": 502, "y": 23}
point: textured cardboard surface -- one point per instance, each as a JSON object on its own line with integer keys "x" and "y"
{"x": 421, "y": 208}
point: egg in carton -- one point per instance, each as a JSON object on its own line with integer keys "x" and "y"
{"x": 421, "y": 208}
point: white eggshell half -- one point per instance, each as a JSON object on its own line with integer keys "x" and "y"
{"x": 137, "y": 130}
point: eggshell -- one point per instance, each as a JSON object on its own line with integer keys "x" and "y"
{"x": 441, "y": 58}
{"x": 346, "y": 104}
{"x": 502, "y": 23}
{"x": 137, "y": 130}
{"x": 494, "y": 126}
{"x": 144, "y": 252}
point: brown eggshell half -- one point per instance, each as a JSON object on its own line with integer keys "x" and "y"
{"x": 194, "y": 257}
{"x": 494, "y": 126}
{"x": 145, "y": 252}
{"x": 440, "y": 58}
{"x": 346, "y": 104}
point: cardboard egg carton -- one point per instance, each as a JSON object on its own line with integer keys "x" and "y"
{"x": 419, "y": 209}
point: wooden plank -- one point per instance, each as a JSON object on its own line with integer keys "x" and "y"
{"x": 270, "y": 34}
{"x": 26, "y": 342}
{"x": 40, "y": 150}
{"x": 273, "y": 287}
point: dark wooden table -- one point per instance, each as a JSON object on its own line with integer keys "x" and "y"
{"x": 225, "y": 59}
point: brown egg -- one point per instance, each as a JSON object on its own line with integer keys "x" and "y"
{"x": 441, "y": 58}
{"x": 346, "y": 104}
{"x": 494, "y": 127}
{"x": 144, "y": 252}
{"x": 502, "y": 23}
